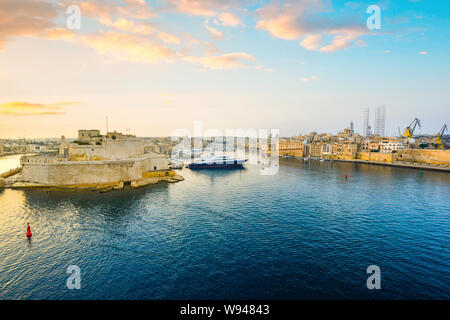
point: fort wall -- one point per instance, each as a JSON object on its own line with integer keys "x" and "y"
{"x": 91, "y": 172}
{"x": 436, "y": 157}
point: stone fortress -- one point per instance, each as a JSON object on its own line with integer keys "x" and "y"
{"x": 96, "y": 161}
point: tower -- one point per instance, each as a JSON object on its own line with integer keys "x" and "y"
{"x": 380, "y": 120}
{"x": 62, "y": 146}
{"x": 366, "y": 123}
{"x": 352, "y": 128}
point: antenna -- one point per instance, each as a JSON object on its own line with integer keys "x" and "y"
{"x": 107, "y": 130}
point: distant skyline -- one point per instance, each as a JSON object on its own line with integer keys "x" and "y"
{"x": 156, "y": 66}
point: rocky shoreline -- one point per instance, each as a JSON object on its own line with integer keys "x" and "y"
{"x": 15, "y": 182}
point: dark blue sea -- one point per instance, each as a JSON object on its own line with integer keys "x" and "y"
{"x": 304, "y": 233}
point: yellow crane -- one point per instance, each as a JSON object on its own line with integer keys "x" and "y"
{"x": 409, "y": 131}
{"x": 438, "y": 138}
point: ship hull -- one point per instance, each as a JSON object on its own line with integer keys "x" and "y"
{"x": 196, "y": 166}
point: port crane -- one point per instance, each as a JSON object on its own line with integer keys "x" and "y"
{"x": 409, "y": 131}
{"x": 438, "y": 138}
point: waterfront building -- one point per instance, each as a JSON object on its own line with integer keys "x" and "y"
{"x": 291, "y": 147}
{"x": 315, "y": 150}
{"x": 388, "y": 146}
{"x": 345, "y": 150}
{"x": 326, "y": 150}
{"x": 370, "y": 145}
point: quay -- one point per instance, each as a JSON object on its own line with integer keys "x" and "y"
{"x": 396, "y": 164}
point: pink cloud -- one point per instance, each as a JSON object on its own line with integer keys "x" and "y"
{"x": 312, "y": 42}
{"x": 24, "y": 18}
{"x": 309, "y": 79}
{"x": 204, "y": 8}
{"x": 305, "y": 20}
{"x": 225, "y": 61}
{"x": 214, "y": 32}
{"x": 125, "y": 47}
{"x": 134, "y": 9}
{"x": 229, "y": 19}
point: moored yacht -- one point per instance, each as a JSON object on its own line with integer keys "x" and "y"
{"x": 215, "y": 162}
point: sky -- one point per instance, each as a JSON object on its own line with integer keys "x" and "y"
{"x": 153, "y": 67}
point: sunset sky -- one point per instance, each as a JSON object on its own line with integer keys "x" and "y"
{"x": 157, "y": 66}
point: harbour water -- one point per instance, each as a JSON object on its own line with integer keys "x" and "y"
{"x": 9, "y": 162}
{"x": 303, "y": 233}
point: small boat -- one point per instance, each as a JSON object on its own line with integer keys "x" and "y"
{"x": 216, "y": 162}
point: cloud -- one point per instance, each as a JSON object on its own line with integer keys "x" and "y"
{"x": 120, "y": 46}
{"x": 128, "y": 26}
{"x": 214, "y": 32}
{"x": 309, "y": 79}
{"x": 140, "y": 29}
{"x": 307, "y": 21}
{"x": 59, "y": 34}
{"x": 262, "y": 68}
{"x": 126, "y": 47}
{"x": 342, "y": 41}
{"x": 24, "y": 18}
{"x": 139, "y": 40}
{"x": 423, "y": 52}
{"x": 291, "y": 20}
{"x": 228, "y": 19}
{"x": 204, "y": 8}
{"x": 312, "y": 42}
{"x": 210, "y": 48}
{"x": 132, "y": 9}
{"x": 34, "y": 18}
{"x": 190, "y": 40}
{"x": 225, "y": 61}
{"x": 168, "y": 38}
{"x": 196, "y": 8}
{"x": 20, "y": 108}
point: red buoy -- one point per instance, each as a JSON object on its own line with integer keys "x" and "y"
{"x": 346, "y": 176}
{"x": 29, "y": 234}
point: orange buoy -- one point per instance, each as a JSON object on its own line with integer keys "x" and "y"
{"x": 29, "y": 234}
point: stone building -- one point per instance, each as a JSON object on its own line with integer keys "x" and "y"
{"x": 291, "y": 147}
{"x": 89, "y": 136}
{"x": 93, "y": 159}
{"x": 315, "y": 150}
